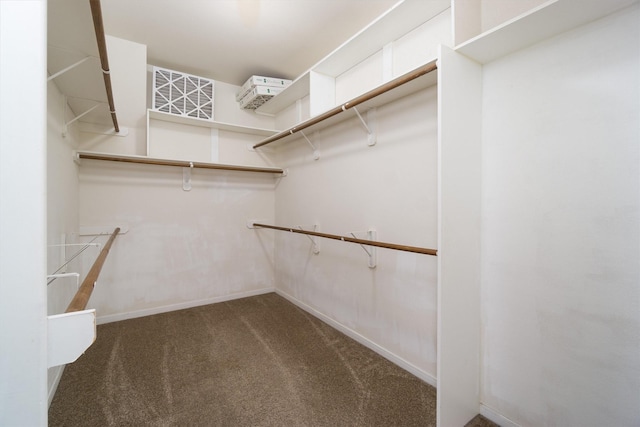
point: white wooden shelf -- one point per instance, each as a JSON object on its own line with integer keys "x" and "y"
{"x": 298, "y": 89}
{"x": 547, "y": 20}
{"x": 421, "y": 78}
{"x": 395, "y": 23}
{"x": 166, "y": 117}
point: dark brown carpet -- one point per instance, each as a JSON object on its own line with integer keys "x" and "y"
{"x": 258, "y": 361}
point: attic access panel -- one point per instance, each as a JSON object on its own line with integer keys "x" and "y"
{"x": 182, "y": 94}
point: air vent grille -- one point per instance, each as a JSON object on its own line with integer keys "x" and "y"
{"x": 182, "y": 94}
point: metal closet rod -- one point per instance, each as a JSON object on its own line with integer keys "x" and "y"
{"x": 81, "y": 298}
{"x": 182, "y": 163}
{"x": 394, "y": 246}
{"x": 405, "y": 78}
{"x": 96, "y": 13}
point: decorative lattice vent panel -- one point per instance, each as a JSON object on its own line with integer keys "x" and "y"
{"x": 182, "y": 94}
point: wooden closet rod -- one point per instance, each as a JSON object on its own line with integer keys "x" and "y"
{"x": 182, "y": 163}
{"x": 405, "y": 248}
{"x": 96, "y": 13}
{"x": 405, "y": 78}
{"x": 79, "y": 301}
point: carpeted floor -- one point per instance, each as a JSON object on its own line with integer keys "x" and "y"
{"x": 258, "y": 361}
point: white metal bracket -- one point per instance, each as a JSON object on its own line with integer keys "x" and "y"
{"x": 369, "y": 125}
{"x": 65, "y": 126}
{"x": 70, "y": 67}
{"x": 316, "y": 152}
{"x": 314, "y": 240}
{"x": 63, "y": 257}
{"x": 186, "y": 177}
{"x": 371, "y": 251}
{"x": 59, "y": 275}
{"x": 90, "y": 127}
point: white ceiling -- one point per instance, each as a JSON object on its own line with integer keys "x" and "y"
{"x": 226, "y": 40}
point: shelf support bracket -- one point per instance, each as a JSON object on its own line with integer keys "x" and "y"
{"x": 371, "y": 134}
{"x": 314, "y": 241}
{"x": 186, "y": 177}
{"x": 59, "y": 275}
{"x": 371, "y": 252}
{"x": 65, "y": 126}
{"x": 70, "y": 67}
{"x": 316, "y": 152}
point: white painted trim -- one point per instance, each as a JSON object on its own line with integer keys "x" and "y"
{"x": 181, "y": 306}
{"x": 59, "y": 370}
{"x": 493, "y": 415}
{"x": 407, "y": 366}
{"x": 459, "y": 191}
{"x": 69, "y": 335}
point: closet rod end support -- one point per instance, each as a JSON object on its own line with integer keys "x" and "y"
{"x": 251, "y": 223}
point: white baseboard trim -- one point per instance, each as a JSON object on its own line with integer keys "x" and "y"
{"x": 424, "y": 376}
{"x": 56, "y": 380}
{"x": 181, "y": 306}
{"x": 493, "y": 415}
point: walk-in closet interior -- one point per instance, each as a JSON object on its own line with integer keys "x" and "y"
{"x": 452, "y": 184}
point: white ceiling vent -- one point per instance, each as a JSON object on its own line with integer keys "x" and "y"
{"x": 182, "y": 94}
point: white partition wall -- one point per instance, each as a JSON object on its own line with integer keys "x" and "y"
{"x": 560, "y": 220}
{"x": 459, "y": 148}
{"x": 23, "y": 310}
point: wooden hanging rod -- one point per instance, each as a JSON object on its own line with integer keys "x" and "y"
{"x": 96, "y": 13}
{"x": 405, "y": 78}
{"x": 181, "y": 163}
{"x": 79, "y": 301}
{"x": 394, "y": 246}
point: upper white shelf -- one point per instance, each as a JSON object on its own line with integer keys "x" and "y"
{"x": 395, "y": 23}
{"x": 158, "y": 115}
{"x": 298, "y": 89}
{"x": 411, "y": 82}
{"x": 403, "y": 17}
{"x": 547, "y": 20}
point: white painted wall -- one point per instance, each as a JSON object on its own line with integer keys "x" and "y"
{"x": 181, "y": 142}
{"x": 391, "y": 187}
{"x": 560, "y": 229}
{"x": 128, "y": 70}
{"x": 62, "y": 212}
{"x": 23, "y": 301}
{"x": 62, "y": 199}
{"x": 227, "y": 109}
{"x": 352, "y": 187}
{"x": 411, "y": 50}
{"x": 182, "y": 248}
